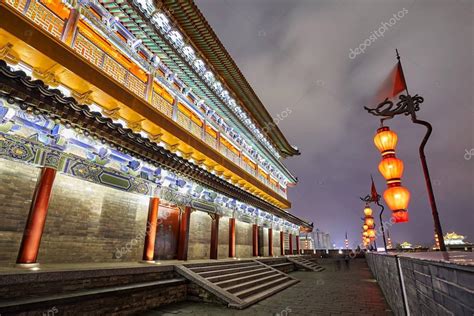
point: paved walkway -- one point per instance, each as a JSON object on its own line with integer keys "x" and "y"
{"x": 335, "y": 291}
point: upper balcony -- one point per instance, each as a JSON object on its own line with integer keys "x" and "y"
{"x": 154, "y": 89}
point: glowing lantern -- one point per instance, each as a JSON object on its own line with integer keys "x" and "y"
{"x": 397, "y": 198}
{"x": 365, "y": 234}
{"x": 371, "y": 233}
{"x": 365, "y": 227}
{"x": 391, "y": 169}
{"x": 369, "y": 221}
{"x": 385, "y": 140}
{"x": 367, "y": 211}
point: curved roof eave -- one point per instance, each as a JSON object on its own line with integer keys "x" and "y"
{"x": 192, "y": 22}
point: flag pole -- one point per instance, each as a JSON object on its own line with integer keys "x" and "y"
{"x": 424, "y": 164}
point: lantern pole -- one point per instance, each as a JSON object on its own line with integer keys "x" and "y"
{"x": 372, "y": 199}
{"x": 409, "y": 105}
{"x": 381, "y": 223}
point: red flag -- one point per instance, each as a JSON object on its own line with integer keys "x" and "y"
{"x": 393, "y": 85}
{"x": 373, "y": 191}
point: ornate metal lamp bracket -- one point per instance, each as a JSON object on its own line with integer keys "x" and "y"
{"x": 368, "y": 199}
{"x": 407, "y": 105}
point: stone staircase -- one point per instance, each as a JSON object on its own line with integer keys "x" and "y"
{"x": 305, "y": 263}
{"x": 239, "y": 283}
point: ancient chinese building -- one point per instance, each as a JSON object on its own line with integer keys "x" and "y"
{"x": 128, "y": 133}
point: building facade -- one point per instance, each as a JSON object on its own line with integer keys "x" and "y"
{"x": 128, "y": 133}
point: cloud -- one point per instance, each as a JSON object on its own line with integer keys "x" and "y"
{"x": 296, "y": 55}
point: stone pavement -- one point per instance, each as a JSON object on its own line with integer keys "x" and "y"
{"x": 338, "y": 290}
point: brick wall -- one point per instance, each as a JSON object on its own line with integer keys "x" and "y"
{"x": 88, "y": 222}
{"x": 432, "y": 287}
{"x": 243, "y": 239}
{"x": 199, "y": 236}
{"x": 17, "y": 185}
{"x": 223, "y": 250}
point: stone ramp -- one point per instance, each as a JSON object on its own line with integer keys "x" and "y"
{"x": 304, "y": 263}
{"x": 239, "y": 283}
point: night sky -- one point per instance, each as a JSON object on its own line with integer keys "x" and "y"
{"x": 295, "y": 54}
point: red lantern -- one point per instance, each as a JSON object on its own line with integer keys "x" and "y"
{"x": 369, "y": 221}
{"x": 385, "y": 140}
{"x": 367, "y": 211}
{"x": 391, "y": 169}
{"x": 397, "y": 198}
{"x": 371, "y": 233}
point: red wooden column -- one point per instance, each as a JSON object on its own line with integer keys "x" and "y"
{"x": 150, "y": 233}
{"x": 33, "y": 232}
{"x": 184, "y": 234}
{"x": 270, "y": 242}
{"x": 231, "y": 237}
{"x": 255, "y": 240}
{"x": 298, "y": 244}
{"x": 290, "y": 239}
{"x": 214, "y": 235}
{"x": 282, "y": 243}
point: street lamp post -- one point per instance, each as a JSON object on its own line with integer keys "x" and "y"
{"x": 409, "y": 105}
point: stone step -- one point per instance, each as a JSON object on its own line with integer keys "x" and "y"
{"x": 221, "y": 267}
{"x": 281, "y": 264}
{"x": 268, "y": 292}
{"x": 25, "y": 304}
{"x": 216, "y": 263}
{"x": 240, "y": 279}
{"x": 261, "y": 287}
{"x": 228, "y": 271}
{"x": 253, "y": 283}
{"x": 231, "y": 276}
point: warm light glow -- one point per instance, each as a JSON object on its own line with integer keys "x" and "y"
{"x": 365, "y": 234}
{"x": 371, "y": 233}
{"x": 365, "y": 227}
{"x": 367, "y": 211}
{"x": 391, "y": 168}
{"x": 397, "y": 198}
{"x": 385, "y": 140}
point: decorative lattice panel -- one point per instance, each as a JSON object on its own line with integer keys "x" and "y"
{"x": 196, "y": 130}
{"x": 161, "y": 105}
{"x": 211, "y": 141}
{"x": 183, "y": 120}
{"x": 42, "y": 16}
{"x": 136, "y": 85}
{"x": 88, "y": 50}
{"x": 17, "y": 4}
{"x": 114, "y": 69}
